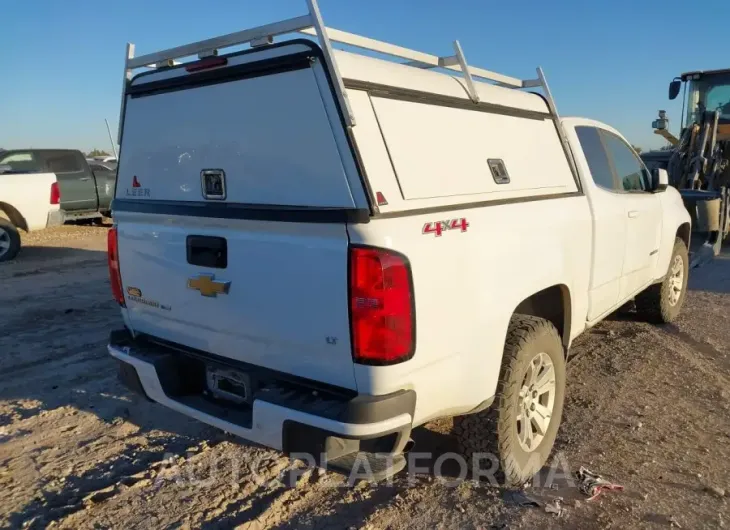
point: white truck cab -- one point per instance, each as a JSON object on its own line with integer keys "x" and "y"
{"x": 319, "y": 251}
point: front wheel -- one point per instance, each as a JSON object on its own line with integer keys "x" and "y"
{"x": 661, "y": 303}
{"x": 521, "y": 426}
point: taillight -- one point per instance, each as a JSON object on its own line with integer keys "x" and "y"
{"x": 55, "y": 193}
{"x": 114, "y": 275}
{"x": 381, "y": 306}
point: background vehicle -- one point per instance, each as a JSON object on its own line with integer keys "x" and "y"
{"x": 97, "y": 165}
{"x": 105, "y": 174}
{"x": 346, "y": 247}
{"x": 699, "y": 163}
{"x": 46, "y": 187}
{"x": 105, "y": 159}
{"x": 29, "y": 201}
{"x": 85, "y": 194}
{"x": 656, "y": 159}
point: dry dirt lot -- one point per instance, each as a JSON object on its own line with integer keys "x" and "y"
{"x": 647, "y": 407}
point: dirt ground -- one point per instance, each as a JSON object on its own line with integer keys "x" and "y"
{"x": 647, "y": 407}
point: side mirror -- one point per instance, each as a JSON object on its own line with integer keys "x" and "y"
{"x": 5, "y": 168}
{"x": 661, "y": 179}
{"x": 674, "y": 87}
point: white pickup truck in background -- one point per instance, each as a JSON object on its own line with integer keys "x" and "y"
{"x": 79, "y": 190}
{"x": 28, "y": 202}
{"x": 326, "y": 250}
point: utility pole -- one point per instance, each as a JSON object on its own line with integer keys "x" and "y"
{"x": 114, "y": 147}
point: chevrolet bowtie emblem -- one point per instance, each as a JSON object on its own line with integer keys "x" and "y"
{"x": 208, "y": 285}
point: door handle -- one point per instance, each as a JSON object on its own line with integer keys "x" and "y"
{"x": 85, "y": 178}
{"x": 634, "y": 213}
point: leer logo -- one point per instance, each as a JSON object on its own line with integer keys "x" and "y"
{"x": 137, "y": 190}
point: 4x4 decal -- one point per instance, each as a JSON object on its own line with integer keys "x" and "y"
{"x": 439, "y": 227}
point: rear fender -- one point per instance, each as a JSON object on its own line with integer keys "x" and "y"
{"x": 553, "y": 304}
{"x": 9, "y": 212}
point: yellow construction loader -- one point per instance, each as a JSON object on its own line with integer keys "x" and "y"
{"x": 699, "y": 161}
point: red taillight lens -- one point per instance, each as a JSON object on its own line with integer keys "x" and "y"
{"x": 381, "y": 306}
{"x": 55, "y": 194}
{"x": 114, "y": 275}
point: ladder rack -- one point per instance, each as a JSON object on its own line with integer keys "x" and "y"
{"x": 311, "y": 24}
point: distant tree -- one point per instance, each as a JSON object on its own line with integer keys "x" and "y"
{"x": 637, "y": 149}
{"x": 97, "y": 152}
{"x": 668, "y": 147}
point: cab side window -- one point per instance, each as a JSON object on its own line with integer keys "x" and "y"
{"x": 63, "y": 162}
{"x": 631, "y": 173}
{"x": 25, "y": 162}
{"x": 590, "y": 142}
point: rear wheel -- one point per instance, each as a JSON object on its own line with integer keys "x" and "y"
{"x": 661, "y": 303}
{"x": 521, "y": 426}
{"x": 9, "y": 240}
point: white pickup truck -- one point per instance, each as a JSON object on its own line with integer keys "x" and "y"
{"x": 29, "y": 201}
{"x": 319, "y": 250}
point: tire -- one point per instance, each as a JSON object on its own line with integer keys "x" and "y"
{"x": 661, "y": 303}
{"x": 9, "y": 240}
{"x": 498, "y": 430}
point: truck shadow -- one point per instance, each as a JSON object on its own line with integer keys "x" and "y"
{"x": 123, "y": 438}
{"x": 34, "y": 260}
{"x": 69, "y": 430}
{"x": 36, "y": 254}
{"x": 348, "y": 514}
{"x": 96, "y": 485}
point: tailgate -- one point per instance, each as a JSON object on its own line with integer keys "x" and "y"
{"x": 234, "y": 188}
{"x": 286, "y": 305}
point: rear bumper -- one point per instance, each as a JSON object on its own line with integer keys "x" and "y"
{"x": 55, "y": 218}
{"x": 292, "y": 420}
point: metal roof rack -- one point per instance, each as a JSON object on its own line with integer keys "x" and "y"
{"x": 312, "y": 24}
{"x": 456, "y": 62}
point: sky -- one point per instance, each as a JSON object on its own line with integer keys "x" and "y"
{"x": 61, "y": 61}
